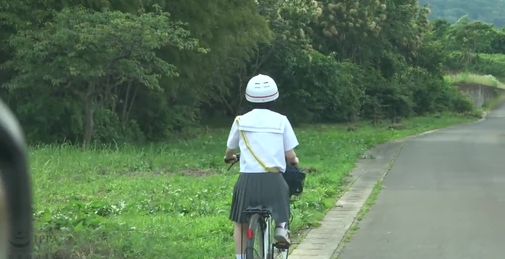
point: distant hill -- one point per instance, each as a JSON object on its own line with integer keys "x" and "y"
{"x": 491, "y": 11}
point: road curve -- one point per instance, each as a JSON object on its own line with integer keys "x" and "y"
{"x": 444, "y": 198}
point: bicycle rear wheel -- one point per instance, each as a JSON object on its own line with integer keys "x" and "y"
{"x": 255, "y": 248}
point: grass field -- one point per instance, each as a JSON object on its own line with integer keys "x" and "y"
{"x": 488, "y": 80}
{"x": 172, "y": 200}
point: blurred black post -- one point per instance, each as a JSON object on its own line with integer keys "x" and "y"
{"x": 16, "y": 215}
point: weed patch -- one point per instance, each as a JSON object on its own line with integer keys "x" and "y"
{"x": 487, "y": 80}
{"x": 493, "y": 103}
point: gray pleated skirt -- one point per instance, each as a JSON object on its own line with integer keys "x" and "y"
{"x": 260, "y": 189}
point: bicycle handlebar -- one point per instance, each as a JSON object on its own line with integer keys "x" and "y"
{"x": 232, "y": 164}
{"x": 229, "y": 160}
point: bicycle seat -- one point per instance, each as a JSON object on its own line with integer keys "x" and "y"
{"x": 259, "y": 210}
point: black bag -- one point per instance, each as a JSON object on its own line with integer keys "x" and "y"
{"x": 295, "y": 179}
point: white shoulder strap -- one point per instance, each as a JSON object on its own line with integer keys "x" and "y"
{"x": 242, "y": 133}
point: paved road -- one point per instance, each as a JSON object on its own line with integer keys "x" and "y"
{"x": 443, "y": 199}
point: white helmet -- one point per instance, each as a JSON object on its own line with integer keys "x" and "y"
{"x": 261, "y": 89}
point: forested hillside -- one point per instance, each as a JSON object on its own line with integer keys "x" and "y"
{"x": 483, "y": 10}
{"x": 148, "y": 70}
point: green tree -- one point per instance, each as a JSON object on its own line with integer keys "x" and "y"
{"x": 470, "y": 37}
{"x": 289, "y": 23}
{"x": 333, "y": 60}
{"x": 91, "y": 54}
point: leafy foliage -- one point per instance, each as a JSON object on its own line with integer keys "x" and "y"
{"x": 107, "y": 72}
{"x": 471, "y": 46}
{"x": 90, "y": 54}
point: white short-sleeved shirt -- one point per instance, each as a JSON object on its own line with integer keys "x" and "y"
{"x": 269, "y": 135}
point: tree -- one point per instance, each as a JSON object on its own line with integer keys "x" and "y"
{"x": 289, "y": 23}
{"x": 91, "y": 54}
{"x": 334, "y": 60}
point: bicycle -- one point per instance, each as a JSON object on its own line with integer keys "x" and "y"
{"x": 260, "y": 227}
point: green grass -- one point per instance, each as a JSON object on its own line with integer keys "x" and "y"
{"x": 493, "y": 103}
{"x": 487, "y": 80}
{"x": 370, "y": 201}
{"x": 172, "y": 200}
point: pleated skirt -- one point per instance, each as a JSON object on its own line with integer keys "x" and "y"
{"x": 269, "y": 190}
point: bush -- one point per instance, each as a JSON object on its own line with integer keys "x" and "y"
{"x": 487, "y": 64}
{"x": 109, "y": 128}
{"x": 317, "y": 88}
{"x": 426, "y": 92}
{"x": 453, "y": 99}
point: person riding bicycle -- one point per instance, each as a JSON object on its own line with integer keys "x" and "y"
{"x": 266, "y": 141}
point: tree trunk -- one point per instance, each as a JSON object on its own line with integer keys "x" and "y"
{"x": 87, "y": 100}
{"x": 125, "y": 104}
{"x": 353, "y": 116}
{"x": 132, "y": 101}
{"x": 89, "y": 125}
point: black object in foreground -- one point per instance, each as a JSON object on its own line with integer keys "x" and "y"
{"x": 16, "y": 220}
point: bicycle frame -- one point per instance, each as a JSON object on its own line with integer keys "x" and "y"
{"x": 268, "y": 251}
